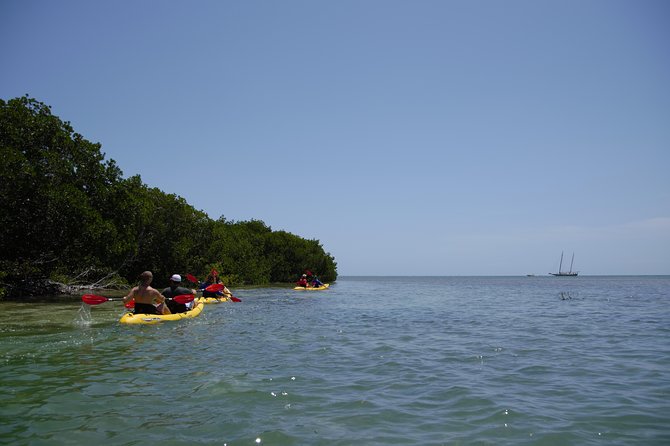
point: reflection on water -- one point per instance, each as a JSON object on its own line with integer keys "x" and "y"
{"x": 565, "y": 295}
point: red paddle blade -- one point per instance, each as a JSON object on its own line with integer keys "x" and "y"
{"x": 214, "y": 287}
{"x": 191, "y": 278}
{"x": 130, "y": 304}
{"x": 184, "y": 298}
{"x": 235, "y": 299}
{"x": 93, "y": 299}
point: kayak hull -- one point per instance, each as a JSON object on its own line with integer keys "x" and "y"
{"x": 148, "y": 319}
{"x": 212, "y": 300}
{"x": 322, "y": 287}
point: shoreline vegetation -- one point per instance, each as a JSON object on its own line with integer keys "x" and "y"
{"x": 70, "y": 222}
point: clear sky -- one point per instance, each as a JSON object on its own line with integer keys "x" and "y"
{"x": 427, "y": 137}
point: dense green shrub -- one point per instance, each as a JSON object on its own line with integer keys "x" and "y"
{"x": 65, "y": 210}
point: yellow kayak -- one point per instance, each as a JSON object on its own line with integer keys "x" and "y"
{"x": 310, "y": 288}
{"x": 212, "y": 300}
{"x": 132, "y": 318}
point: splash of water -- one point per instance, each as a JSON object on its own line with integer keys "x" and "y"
{"x": 84, "y": 318}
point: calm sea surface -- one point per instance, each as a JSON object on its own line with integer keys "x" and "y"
{"x": 371, "y": 361}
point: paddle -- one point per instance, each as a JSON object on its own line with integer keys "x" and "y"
{"x": 191, "y": 278}
{"x": 183, "y": 298}
{"x": 93, "y": 299}
{"x": 216, "y": 287}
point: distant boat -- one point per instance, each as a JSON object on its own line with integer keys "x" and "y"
{"x": 570, "y": 273}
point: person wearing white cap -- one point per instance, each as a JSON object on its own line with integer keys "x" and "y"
{"x": 303, "y": 281}
{"x": 175, "y": 290}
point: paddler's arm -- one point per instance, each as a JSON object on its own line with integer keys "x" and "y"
{"x": 159, "y": 298}
{"x": 129, "y": 297}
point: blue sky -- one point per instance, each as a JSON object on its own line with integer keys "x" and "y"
{"x": 409, "y": 137}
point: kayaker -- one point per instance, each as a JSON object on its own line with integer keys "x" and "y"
{"x": 175, "y": 290}
{"x": 146, "y": 296}
{"x": 303, "y": 281}
{"x": 225, "y": 292}
{"x": 213, "y": 279}
{"x": 210, "y": 280}
{"x": 316, "y": 283}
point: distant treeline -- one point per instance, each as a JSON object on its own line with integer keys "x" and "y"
{"x": 67, "y": 216}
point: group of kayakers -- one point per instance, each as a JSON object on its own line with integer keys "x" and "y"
{"x": 311, "y": 281}
{"x": 149, "y": 300}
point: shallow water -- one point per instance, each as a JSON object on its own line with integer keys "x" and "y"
{"x": 372, "y": 360}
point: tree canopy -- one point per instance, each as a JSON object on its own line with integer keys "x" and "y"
{"x": 67, "y": 213}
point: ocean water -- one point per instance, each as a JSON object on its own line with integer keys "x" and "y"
{"x": 371, "y": 361}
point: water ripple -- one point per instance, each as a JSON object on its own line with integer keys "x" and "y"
{"x": 446, "y": 361}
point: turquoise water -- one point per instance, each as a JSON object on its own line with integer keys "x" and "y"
{"x": 371, "y": 361}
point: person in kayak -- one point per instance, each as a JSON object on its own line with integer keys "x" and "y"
{"x": 146, "y": 296}
{"x": 213, "y": 279}
{"x": 316, "y": 283}
{"x": 303, "y": 281}
{"x": 175, "y": 290}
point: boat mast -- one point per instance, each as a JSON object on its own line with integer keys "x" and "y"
{"x": 560, "y": 265}
{"x": 573, "y": 259}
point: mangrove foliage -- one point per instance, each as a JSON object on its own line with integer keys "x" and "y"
{"x": 68, "y": 216}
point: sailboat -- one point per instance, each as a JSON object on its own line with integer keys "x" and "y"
{"x": 570, "y": 273}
